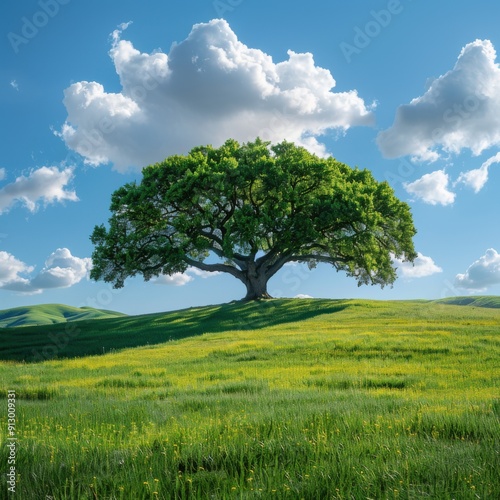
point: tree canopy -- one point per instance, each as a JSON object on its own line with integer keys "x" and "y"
{"x": 247, "y": 210}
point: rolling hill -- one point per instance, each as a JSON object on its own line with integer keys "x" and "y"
{"x": 49, "y": 314}
{"x": 54, "y": 338}
{"x": 489, "y": 301}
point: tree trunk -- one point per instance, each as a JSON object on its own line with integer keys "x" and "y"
{"x": 256, "y": 284}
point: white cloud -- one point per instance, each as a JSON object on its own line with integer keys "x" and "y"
{"x": 2, "y": 174}
{"x": 177, "y": 279}
{"x": 422, "y": 267}
{"x": 303, "y": 296}
{"x": 202, "y": 274}
{"x": 116, "y": 35}
{"x": 61, "y": 270}
{"x": 210, "y": 87}
{"x": 181, "y": 279}
{"x": 482, "y": 273}
{"x": 432, "y": 188}
{"x": 11, "y": 271}
{"x": 460, "y": 110}
{"x": 47, "y": 185}
{"x": 14, "y": 85}
{"x": 477, "y": 178}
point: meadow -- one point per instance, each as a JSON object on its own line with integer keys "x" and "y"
{"x": 299, "y": 399}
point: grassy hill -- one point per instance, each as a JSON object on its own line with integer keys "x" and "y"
{"x": 90, "y": 337}
{"x": 49, "y": 314}
{"x": 56, "y": 339}
{"x": 285, "y": 399}
{"x": 474, "y": 301}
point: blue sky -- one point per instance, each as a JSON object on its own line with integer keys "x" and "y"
{"x": 93, "y": 91}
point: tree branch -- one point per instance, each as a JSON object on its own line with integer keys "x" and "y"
{"x": 223, "y": 268}
{"x": 218, "y": 251}
{"x": 274, "y": 268}
{"x": 262, "y": 261}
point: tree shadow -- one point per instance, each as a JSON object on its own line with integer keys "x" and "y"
{"x": 101, "y": 336}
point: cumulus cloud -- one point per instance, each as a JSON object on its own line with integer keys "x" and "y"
{"x": 482, "y": 273}
{"x": 422, "y": 267}
{"x": 460, "y": 110}
{"x": 2, "y": 174}
{"x": 45, "y": 185}
{"x": 432, "y": 188}
{"x": 477, "y": 178}
{"x": 12, "y": 271}
{"x": 61, "y": 270}
{"x": 303, "y": 296}
{"x": 181, "y": 279}
{"x": 208, "y": 88}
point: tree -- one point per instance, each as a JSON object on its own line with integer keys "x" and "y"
{"x": 249, "y": 209}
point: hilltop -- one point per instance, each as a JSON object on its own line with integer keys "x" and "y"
{"x": 49, "y": 314}
{"x": 90, "y": 337}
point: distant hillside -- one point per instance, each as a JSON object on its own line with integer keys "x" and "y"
{"x": 477, "y": 301}
{"x": 49, "y": 314}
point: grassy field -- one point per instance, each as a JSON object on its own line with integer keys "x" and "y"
{"x": 313, "y": 399}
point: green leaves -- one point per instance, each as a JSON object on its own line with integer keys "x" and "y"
{"x": 237, "y": 200}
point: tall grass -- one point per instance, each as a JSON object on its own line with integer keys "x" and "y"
{"x": 368, "y": 400}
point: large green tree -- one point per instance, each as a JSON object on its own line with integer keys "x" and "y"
{"x": 249, "y": 209}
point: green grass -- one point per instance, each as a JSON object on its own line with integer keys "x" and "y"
{"x": 88, "y": 337}
{"x": 313, "y": 399}
{"x": 475, "y": 301}
{"x": 49, "y": 314}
